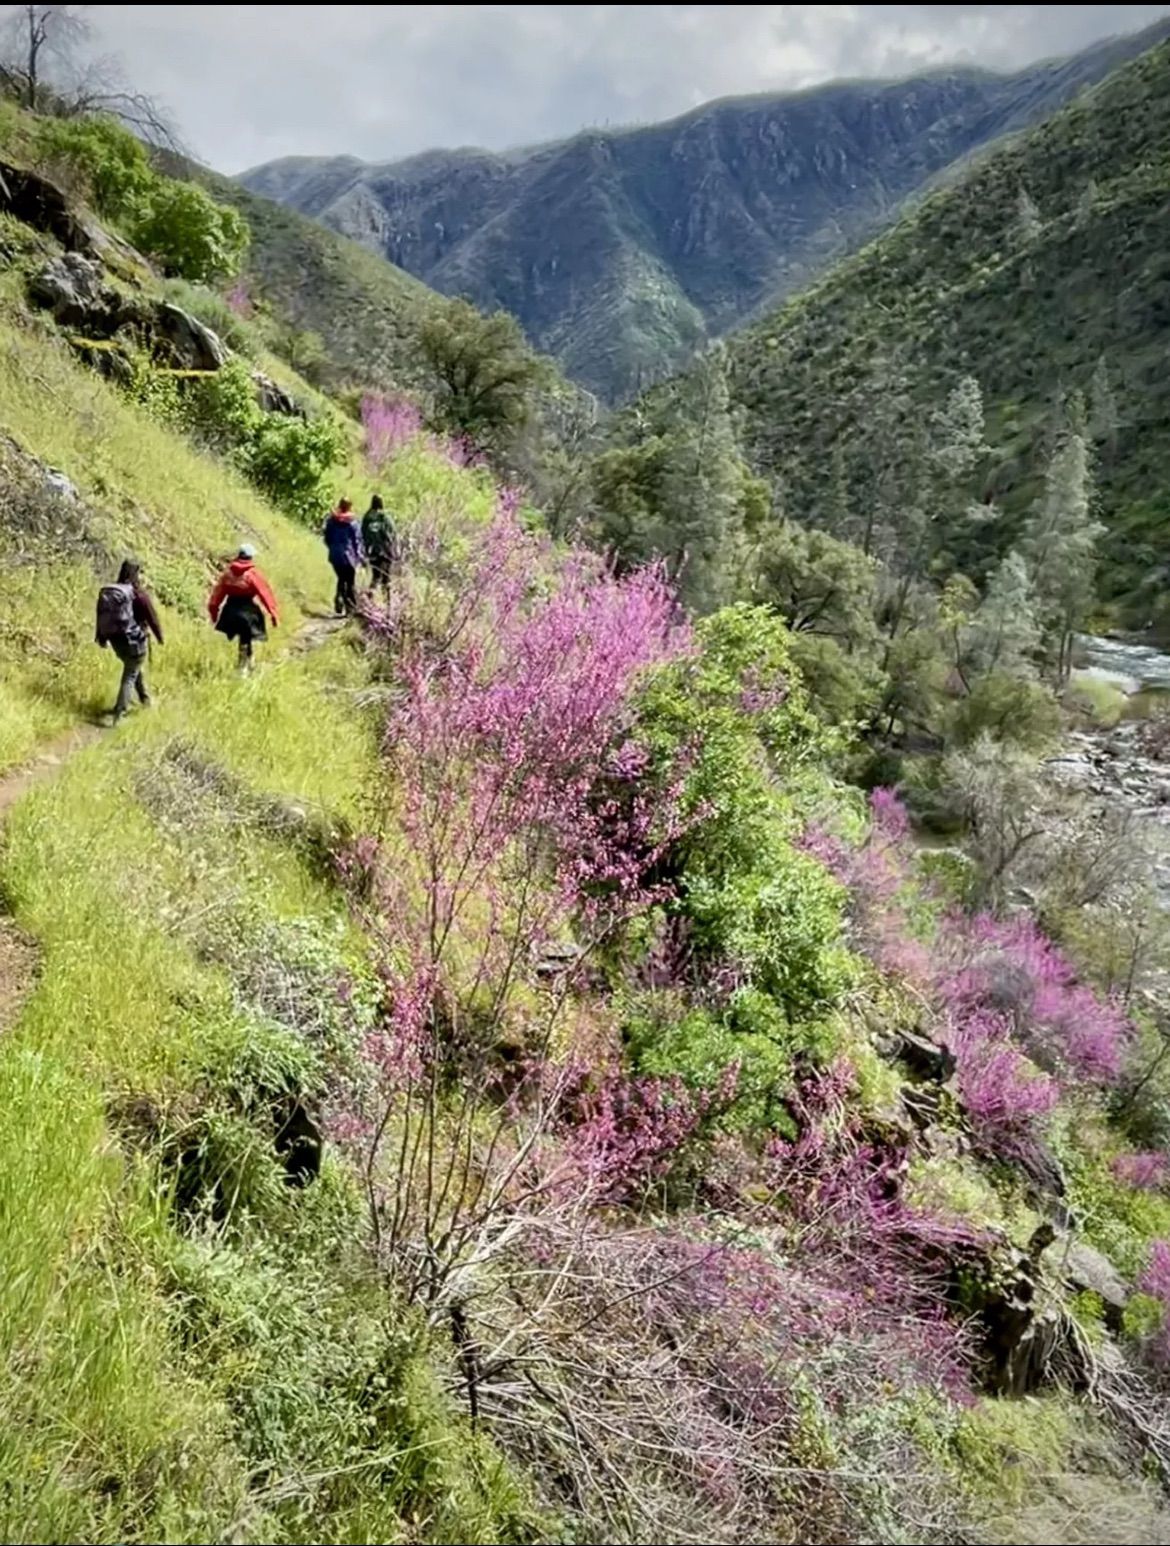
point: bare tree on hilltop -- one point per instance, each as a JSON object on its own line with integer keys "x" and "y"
{"x": 47, "y": 65}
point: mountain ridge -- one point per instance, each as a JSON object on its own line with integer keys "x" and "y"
{"x": 622, "y": 250}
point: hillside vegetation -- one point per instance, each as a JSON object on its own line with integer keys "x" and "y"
{"x": 490, "y": 1076}
{"x": 622, "y": 251}
{"x": 1042, "y": 274}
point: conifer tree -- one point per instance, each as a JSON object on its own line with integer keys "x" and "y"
{"x": 1103, "y": 410}
{"x": 1060, "y": 541}
{"x": 703, "y": 481}
{"x": 1004, "y": 635}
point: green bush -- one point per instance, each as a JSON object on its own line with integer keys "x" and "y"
{"x": 665, "y": 1038}
{"x": 221, "y": 409}
{"x": 192, "y": 236}
{"x": 290, "y": 460}
{"x": 1095, "y": 702}
{"x": 738, "y": 714}
{"x": 105, "y": 156}
{"x": 1012, "y": 711}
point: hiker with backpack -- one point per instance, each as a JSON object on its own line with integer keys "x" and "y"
{"x": 343, "y": 542}
{"x": 238, "y": 603}
{"x": 126, "y": 617}
{"x": 381, "y": 544}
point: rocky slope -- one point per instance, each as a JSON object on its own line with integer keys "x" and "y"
{"x": 621, "y": 251}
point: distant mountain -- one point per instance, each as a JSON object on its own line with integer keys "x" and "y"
{"x": 620, "y": 252}
{"x": 1043, "y": 272}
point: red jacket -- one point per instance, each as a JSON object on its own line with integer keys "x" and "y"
{"x": 242, "y": 578}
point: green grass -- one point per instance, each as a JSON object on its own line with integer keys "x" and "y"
{"x": 167, "y": 1373}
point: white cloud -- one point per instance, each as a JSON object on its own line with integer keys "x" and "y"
{"x": 251, "y": 82}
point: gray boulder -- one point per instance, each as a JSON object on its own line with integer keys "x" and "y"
{"x": 71, "y": 287}
{"x": 1086, "y": 1270}
{"x": 190, "y": 344}
{"x": 271, "y": 397}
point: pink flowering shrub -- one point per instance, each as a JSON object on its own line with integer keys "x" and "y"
{"x": 1006, "y": 1000}
{"x": 1144, "y": 1172}
{"x": 528, "y": 824}
{"x": 239, "y": 300}
{"x": 1014, "y": 970}
{"x": 1155, "y": 1281}
{"x": 388, "y": 424}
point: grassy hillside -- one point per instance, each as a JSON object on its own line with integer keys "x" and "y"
{"x": 621, "y": 250}
{"x": 363, "y": 309}
{"x": 485, "y": 1078}
{"x": 958, "y": 289}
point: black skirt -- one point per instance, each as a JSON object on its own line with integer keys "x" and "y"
{"x": 241, "y": 618}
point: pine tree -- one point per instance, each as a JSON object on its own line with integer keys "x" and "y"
{"x": 702, "y": 484}
{"x": 957, "y": 441}
{"x": 1060, "y": 541}
{"x": 1103, "y": 410}
{"x": 1004, "y": 635}
{"x": 1086, "y": 206}
{"x": 1028, "y": 224}
{"x": 1026, "y": 232}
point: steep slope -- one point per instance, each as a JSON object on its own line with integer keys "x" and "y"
{"x": 1075, "y": 301}
{"x": 364, "y": 310}
{"x": 733, "y": 1259}
{"x": 620, "y": 251}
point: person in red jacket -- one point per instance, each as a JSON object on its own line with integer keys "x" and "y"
{"x": 238, "y": 603}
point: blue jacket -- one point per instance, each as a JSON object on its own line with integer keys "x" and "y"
{"x": 343, "y": 539}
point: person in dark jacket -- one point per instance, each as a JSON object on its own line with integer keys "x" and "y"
{"x": 343, "y": 542}
{"x": 126, "y": 617}
{"x": 380, "y": 541}
{"x": 238, "y": 603}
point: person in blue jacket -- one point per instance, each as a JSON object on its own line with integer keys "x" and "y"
{"x": 343, "y": 542}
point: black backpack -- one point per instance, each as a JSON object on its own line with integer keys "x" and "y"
{"x": 379, "y": 535}
{"x": 115, "y": 614}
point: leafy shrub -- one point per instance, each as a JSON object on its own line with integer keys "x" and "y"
{"x": 1095, "y": 702}
{"x": 665, "y": 1038}
{"x": 221, "y": 409}
{"x": 106, "y": 157}
{"x": 1011, "y": 710}
{"x": 290, "y": 460}
{"x": 753, "y": 904}
{"x": 183, "y": 228}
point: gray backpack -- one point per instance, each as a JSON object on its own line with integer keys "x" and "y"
{"x": 115, "y": 614}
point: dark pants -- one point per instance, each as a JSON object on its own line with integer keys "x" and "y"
{"x": 380, "y": 570}
{"x": 346, "y": 598}
{"x": 133, "y": 679}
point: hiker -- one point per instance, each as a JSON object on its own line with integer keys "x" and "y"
{"x": 126, "y": 617}
{"x": 343, "y": 541}
{"x": 381, "y": 544}
{"x": 235, "y": 605}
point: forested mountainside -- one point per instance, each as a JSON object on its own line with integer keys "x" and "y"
{"x": 620, "y": 252}
{"x": 509, "y": 1068}
{"x": 1044, "y": 275}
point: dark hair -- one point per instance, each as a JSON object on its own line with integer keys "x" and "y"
{"x": 376, "y": 502}
{"x": 345, "y": 504}
{"x": 129, "y": 572}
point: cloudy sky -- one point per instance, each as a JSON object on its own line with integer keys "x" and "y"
{"x": 252, "y": 82}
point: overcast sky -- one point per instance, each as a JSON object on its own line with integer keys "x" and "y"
{"x": 252, "y": 82}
